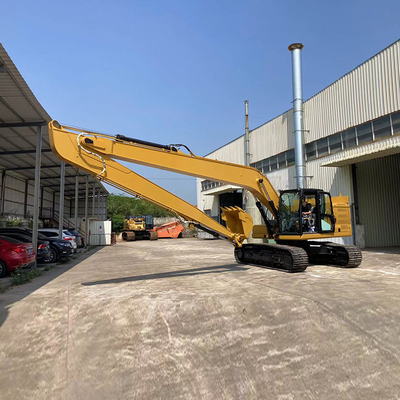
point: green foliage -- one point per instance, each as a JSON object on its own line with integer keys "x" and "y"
{"x": 117, "y": 223}
{"x": 22, "y": 277}
{"x": 13, "y": 222}
{"x": 120, "y": 206}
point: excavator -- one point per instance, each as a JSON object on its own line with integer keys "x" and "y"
{"x": 297, "y": 225}
{"x": 139, "y": 227}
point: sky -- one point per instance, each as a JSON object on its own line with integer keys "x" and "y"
{"x": 179, "y": 71}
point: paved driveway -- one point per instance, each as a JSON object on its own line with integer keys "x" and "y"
{"x": 179, "y": 319}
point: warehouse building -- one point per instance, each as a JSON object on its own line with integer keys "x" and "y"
{"x": 352, "y": 147}
{"x": 36, "y": 188}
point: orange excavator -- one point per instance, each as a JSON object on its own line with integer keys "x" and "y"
{"x": 169, "y": 230}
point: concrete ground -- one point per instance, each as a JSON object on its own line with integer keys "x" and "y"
{"x": 179, "y": 319}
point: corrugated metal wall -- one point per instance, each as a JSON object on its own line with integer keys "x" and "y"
{"x": 378, "y": 183}
{"x": 232, "y": 152}
{"x": 272, "y": 138}
{"x": 367, "y": 92}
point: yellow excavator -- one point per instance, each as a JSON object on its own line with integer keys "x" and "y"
{"x": 293, "y": 219}
{"x": 139, "y": 227}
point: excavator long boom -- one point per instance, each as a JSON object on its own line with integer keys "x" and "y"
{"x": 68, "y": 142}
{"x": 169, "y": 158}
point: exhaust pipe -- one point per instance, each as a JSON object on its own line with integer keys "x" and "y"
{"x": 295, "y": 49}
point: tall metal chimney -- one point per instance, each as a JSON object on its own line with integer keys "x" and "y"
{"x": 295, "y": 49}
{"x": 246, "y": 135}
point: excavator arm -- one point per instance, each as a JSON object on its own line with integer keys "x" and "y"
{"x": 96, "y": 154}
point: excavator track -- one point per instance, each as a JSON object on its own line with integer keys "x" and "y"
{"x": 346, "y": 256}
{"x": 275, "y": 256}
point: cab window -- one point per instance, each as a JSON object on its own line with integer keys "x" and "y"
{"x": 326, "y": 211}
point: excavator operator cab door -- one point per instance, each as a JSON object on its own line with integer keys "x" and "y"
{"x": 305, "y": 211}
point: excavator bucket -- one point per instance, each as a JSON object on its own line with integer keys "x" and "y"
{"x": 237, "y": 220}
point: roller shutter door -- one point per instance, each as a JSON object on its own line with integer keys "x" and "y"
{"x": 378, "y": 184}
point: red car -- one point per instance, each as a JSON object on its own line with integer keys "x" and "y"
{"x": 14, "y": 254}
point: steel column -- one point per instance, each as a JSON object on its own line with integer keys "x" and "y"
{"x": 76, "y": 199}
{"x": 3, "y": 190}
{"x": 26, "y": 198}
{"x": 98, "y": 203}
{"x": 62, "y": 191}
{"x": 246, "y": 135}
{"x": 54, "y": 204}
{"x": 86, "y": 210}
{"x": 38, "y": 163}
{"x": 94, "y": 196}
{"x": 41, "y": 200}
{"x": 245, "y": 193}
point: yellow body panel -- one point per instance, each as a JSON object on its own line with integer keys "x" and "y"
{"x": 133, "y": 224}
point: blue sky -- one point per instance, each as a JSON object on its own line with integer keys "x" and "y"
{"x": 179, "y": 71}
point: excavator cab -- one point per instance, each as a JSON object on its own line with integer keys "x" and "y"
{"x": 305, "y": 211}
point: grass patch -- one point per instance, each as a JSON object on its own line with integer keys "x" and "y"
{"x": 20, "y": 278}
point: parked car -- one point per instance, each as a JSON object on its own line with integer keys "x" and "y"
{"x": 54, "y": 233}
{"x": 58, "y": 247}
{"x": 79, "y": 238}
{"x": 14, "y": 254}
{"x": 43, "y": 245}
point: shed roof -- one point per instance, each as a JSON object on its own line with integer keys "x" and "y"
{"x": 20, "y": 115}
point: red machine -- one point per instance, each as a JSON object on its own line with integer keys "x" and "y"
{"x": 169, "y": 230}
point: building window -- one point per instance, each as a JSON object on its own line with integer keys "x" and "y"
{"x": 335, "y": 143}
{"x": 273, "y": 163}
{"x": 364, "y": 133}
{"x": 322, "y": 147}
{"x": 281, "y": 160}
{"x": 311, "y": 151}
{"x": 265, "y": 166}
{"x": 290, "y": 158}
{"x": 396, "y": 123}
{"x": 357, "y": 136}
{"x": 349, "y": 138}
{"x": 382, "y": 128}
{"x": 207, "y": 185}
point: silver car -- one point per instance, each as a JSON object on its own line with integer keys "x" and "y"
{"x": 54, "y": 232}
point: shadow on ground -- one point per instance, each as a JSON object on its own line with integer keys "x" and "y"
{"x": 172, "y": 274}
{"x": 17, "y": 293}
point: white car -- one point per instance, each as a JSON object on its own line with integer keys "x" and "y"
{"x": 54, "y": 232}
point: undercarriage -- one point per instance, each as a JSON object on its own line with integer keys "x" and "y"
{"x": 295, "y": 256}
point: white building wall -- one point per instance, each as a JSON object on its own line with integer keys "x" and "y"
{"x": 272, "y": 138}
{"x": 232, "y": 152}
{"x": 367, "y": 92}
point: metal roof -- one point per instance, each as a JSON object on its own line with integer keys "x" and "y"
{"x": 20, "y": 115}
